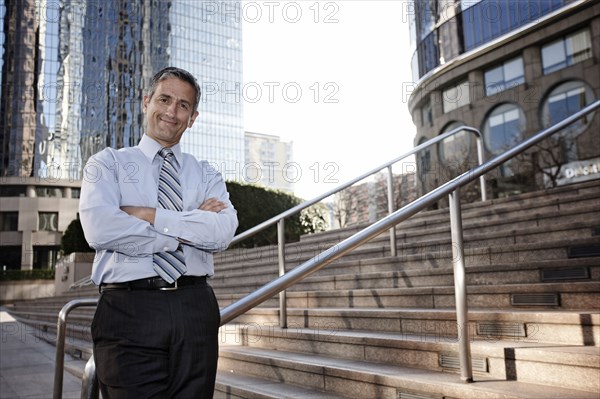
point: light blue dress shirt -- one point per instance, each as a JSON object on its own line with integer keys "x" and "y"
{"x": 124, "y": 244}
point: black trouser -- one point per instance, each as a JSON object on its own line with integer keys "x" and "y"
{"x": 157, "y": 344}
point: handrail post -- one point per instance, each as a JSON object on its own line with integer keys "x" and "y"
{"x": 281, "y": 256}
{"x": 89, "y": 381}
{"x": 460, "y": 288}
{"x": 480, "y": 155}
{"x": 390, "y": 192}
{"x": 61, "y": 332}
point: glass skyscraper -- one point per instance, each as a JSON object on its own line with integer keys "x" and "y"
{"x": 74, "y": 73}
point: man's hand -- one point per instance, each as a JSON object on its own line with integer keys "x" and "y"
{"x": 141, "y": 212}
{"x": 212, "y": 205}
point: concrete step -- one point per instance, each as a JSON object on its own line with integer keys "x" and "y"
{"x": 533, "y": 326}
{"x": 513, "y": 246}
{"x": 539, "y": 202}
{"x": 236, "y": 386}
{"x": 78, "y": 339}
{"x": 363, "y": 379}
{"x": 391, "y": 273}
{"x": 565, "y": 296}
{"x": 520, "y": 358}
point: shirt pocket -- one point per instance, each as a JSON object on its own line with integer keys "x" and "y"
{"x": 192, "y": 198}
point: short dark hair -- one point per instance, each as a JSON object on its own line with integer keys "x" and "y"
{"x": 174, "y": 72}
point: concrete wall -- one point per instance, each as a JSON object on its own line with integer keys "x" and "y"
{"x": 11, "y": 291}
{"x": 72, "y": 268}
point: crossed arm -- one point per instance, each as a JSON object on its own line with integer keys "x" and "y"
{"x": 148, "y": 214}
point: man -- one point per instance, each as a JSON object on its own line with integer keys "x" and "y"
{"x": 155, "y": 215}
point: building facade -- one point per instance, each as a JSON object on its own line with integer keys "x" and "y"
{"x": 74, "y": 74}
{"x": 367, "y": 202}
{"x": 34, "y": 214}
{"x": 509, "y": 68}
{"x": 269, "y": 162}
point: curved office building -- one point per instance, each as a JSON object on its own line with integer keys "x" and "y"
{"x": 508, "y": 68}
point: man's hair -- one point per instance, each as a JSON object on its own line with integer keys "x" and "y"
{"x": 174, "y": 72}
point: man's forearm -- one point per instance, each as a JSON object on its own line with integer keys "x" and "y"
{"x": 141, "y": 212}
{"x": 149, "y": 214}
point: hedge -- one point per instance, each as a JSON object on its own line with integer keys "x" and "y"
{"x": 35, "y": 274}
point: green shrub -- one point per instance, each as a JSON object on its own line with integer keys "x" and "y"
{"x": 35, "y": 274}
{"x": 255, "y": 205}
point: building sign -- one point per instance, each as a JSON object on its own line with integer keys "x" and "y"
{"x": 575, "y": 172}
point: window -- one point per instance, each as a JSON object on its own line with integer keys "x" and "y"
{"x": 454, "y": 149}
{"x": 564, "y": 100}
{"x": 44, "y": 257}
{"x": 9, "y": 221}
{"x": 52, "y": 192}
{"x": 426, "y": 116}
{"x": 13, "y": 191}
{"x": 505, "y": 76}
{"x": 503, "y": 128}
{"x": 424, "y": 159}
{"x": 48, "y": 221}
{"x": 566, "y": 51}
{"x": 456, "y": 96}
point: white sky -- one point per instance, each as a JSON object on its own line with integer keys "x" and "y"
{"x": 332, "y": 76}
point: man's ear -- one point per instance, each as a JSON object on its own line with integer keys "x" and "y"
{"x": 192, "y": 118}
{"x": 145, "y": 103}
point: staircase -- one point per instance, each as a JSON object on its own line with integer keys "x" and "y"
{"x": 374, "y": 326}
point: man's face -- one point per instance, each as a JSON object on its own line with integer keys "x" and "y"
{"x": 170, "y": 111}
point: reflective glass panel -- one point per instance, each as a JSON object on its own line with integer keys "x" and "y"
{"x": 503, "y": 128}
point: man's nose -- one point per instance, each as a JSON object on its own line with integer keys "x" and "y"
{"x": 172, "y": 109}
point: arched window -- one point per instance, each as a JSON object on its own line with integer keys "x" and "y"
{"x": 454, "y": 150}
{"x": 564, "y": 100}
{"x": 503, "y": 128}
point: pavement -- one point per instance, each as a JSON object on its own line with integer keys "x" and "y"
{"x": 27, "y": 364}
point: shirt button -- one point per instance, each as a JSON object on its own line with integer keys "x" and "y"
{"x": 165, "y": 249}
{"x": 166, "y": 230}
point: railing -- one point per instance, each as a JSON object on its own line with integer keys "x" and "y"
{"x": 61, "y": 332}
{"x": 451, "y": 188}
{"x": 280, "y": 219}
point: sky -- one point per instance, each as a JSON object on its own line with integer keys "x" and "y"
{"x": 333, "y": 77}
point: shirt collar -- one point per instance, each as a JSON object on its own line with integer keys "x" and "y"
{"x": 151, "y": 147}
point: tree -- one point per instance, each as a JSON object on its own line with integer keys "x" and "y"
{"x": 73, "y": 239}
{"x": 344, "y": 206}
{"x": 314, "y": 219}
{"x": 551, "y": 155}
{"x": 256, "y": 204}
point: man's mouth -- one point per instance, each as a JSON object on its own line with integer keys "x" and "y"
{"x": 168, "y": 121}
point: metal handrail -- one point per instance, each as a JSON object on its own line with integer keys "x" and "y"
{"x": 316, "y": 263}
{"x": 450, "y": 188}
{"x": 292, "y": 211}
{"x": 61, "y": 332}
{"x": 279, "y": 219}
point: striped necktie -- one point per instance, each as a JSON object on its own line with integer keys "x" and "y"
{"x": 169, "y": 265}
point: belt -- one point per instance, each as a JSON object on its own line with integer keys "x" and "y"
{"x": 155, "y": 283}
